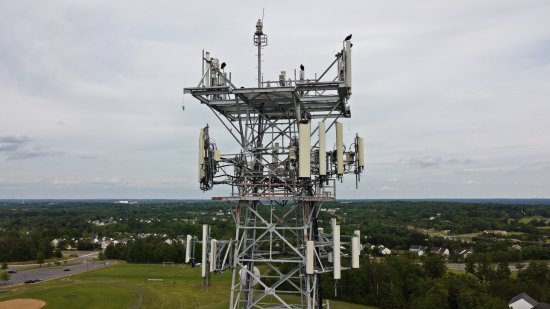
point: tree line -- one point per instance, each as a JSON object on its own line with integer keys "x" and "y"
{"x": 147, "y": 250}
{"x": 400, "y": 282}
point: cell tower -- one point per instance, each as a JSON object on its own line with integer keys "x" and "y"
{"x": 279, "y": 179}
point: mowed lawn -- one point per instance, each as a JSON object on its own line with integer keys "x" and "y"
{"x": 127, "y": 286}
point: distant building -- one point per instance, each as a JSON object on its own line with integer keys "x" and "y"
{"x": 383, "y": 250}
{"x": 104, "y": 244}
{"x": 463, "y": 252}
{"x": 440, "y": 251}
{"x": 496, "y": 232}
{"x": 55, "y": 242}
{"x": 522, "y": 301}
{"x": 420, "y": 250}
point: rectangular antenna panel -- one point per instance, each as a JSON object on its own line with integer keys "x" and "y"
{"x": 361, "y": 151}
{"x": 204, "y": 249}
{"x": 188, "y": 249}
{"x": 213, "y": 253}
{"x": 207, "y": 70}
{"x": 201, "y": 154}
{"x": 305, "y": 150}
{"x": 355, "y": 247}
{"x": 339, "y": 149}
{"x": 337, "y": 271}
{"x": 322, "y": 150}
{"x": 348, "y": 64}
{"x": 310, "y": 255}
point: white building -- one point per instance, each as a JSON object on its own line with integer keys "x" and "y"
{"x": 464, "y": 252}
{"x": 383, "y": 250}
{"x": 420, "y": 250}
{"x": 440, "y": 251}
{"x": 522, "y": 301}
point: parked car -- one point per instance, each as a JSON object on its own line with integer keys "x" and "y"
{"x": 67, "y": 269}
{"x": 12, "y": 271}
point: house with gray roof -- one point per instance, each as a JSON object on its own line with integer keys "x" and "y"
{"x": 522, "y": 301}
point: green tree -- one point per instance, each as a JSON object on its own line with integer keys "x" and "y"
{"x": 5, "y": 276}
{"x": 57, "y": 253}
{"x": 4, "y": 265}
{"x": 435, "y": 298}
{"x": 536, "y": 272}
{"x": 485, "y": 270}
{"x": 434, "y": 266}
{"x": 470, "y": 265}
{"x": 503, "y": 270}
{"x": 473, "y": 299}
{"x": 40, "y": 258}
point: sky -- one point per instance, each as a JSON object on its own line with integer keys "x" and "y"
{"x": 452, "y": 97}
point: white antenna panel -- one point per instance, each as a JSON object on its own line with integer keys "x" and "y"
{"x": 337, "y": 270}
{"x": 355, "y": 247}
{"x": 348, "y": 65}
{"x": 305, "y": 150}
{"x": 361, "y": 151}
{"x": 213, "y": 253}
{"x": 188, "y": 249}
{"x": 339, "y": 149}
{"x": 310, "y": 255}
{"x": 201, "y": 154}
{"x": 322, "y": 150}
{"x": 204, "y": 249}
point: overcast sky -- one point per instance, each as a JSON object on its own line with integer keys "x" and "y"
{"x": 453, "y": 97}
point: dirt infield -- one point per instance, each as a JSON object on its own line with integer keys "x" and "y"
{"x": 22, "y": 303}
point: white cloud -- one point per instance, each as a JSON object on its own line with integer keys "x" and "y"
{"x": 444, "y": 92}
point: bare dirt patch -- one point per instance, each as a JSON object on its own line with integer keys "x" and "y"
{"x": 22, "y": 303}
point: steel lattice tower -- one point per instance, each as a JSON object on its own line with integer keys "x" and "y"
{"x": 279, "y": 180}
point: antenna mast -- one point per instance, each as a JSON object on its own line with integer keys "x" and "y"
{"x": 260, "y": 40}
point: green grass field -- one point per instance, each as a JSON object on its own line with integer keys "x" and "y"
{"x": 529, "y": 219}
{"x": 126, "y": 286}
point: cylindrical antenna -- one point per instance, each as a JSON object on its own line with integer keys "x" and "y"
{"x": 260, "y": 40}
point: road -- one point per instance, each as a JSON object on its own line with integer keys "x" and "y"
{"x": 462, "y": 267}
{"x": 77, "y": 265}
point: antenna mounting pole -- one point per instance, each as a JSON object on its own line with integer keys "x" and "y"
{"x": 260, "y": 40}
